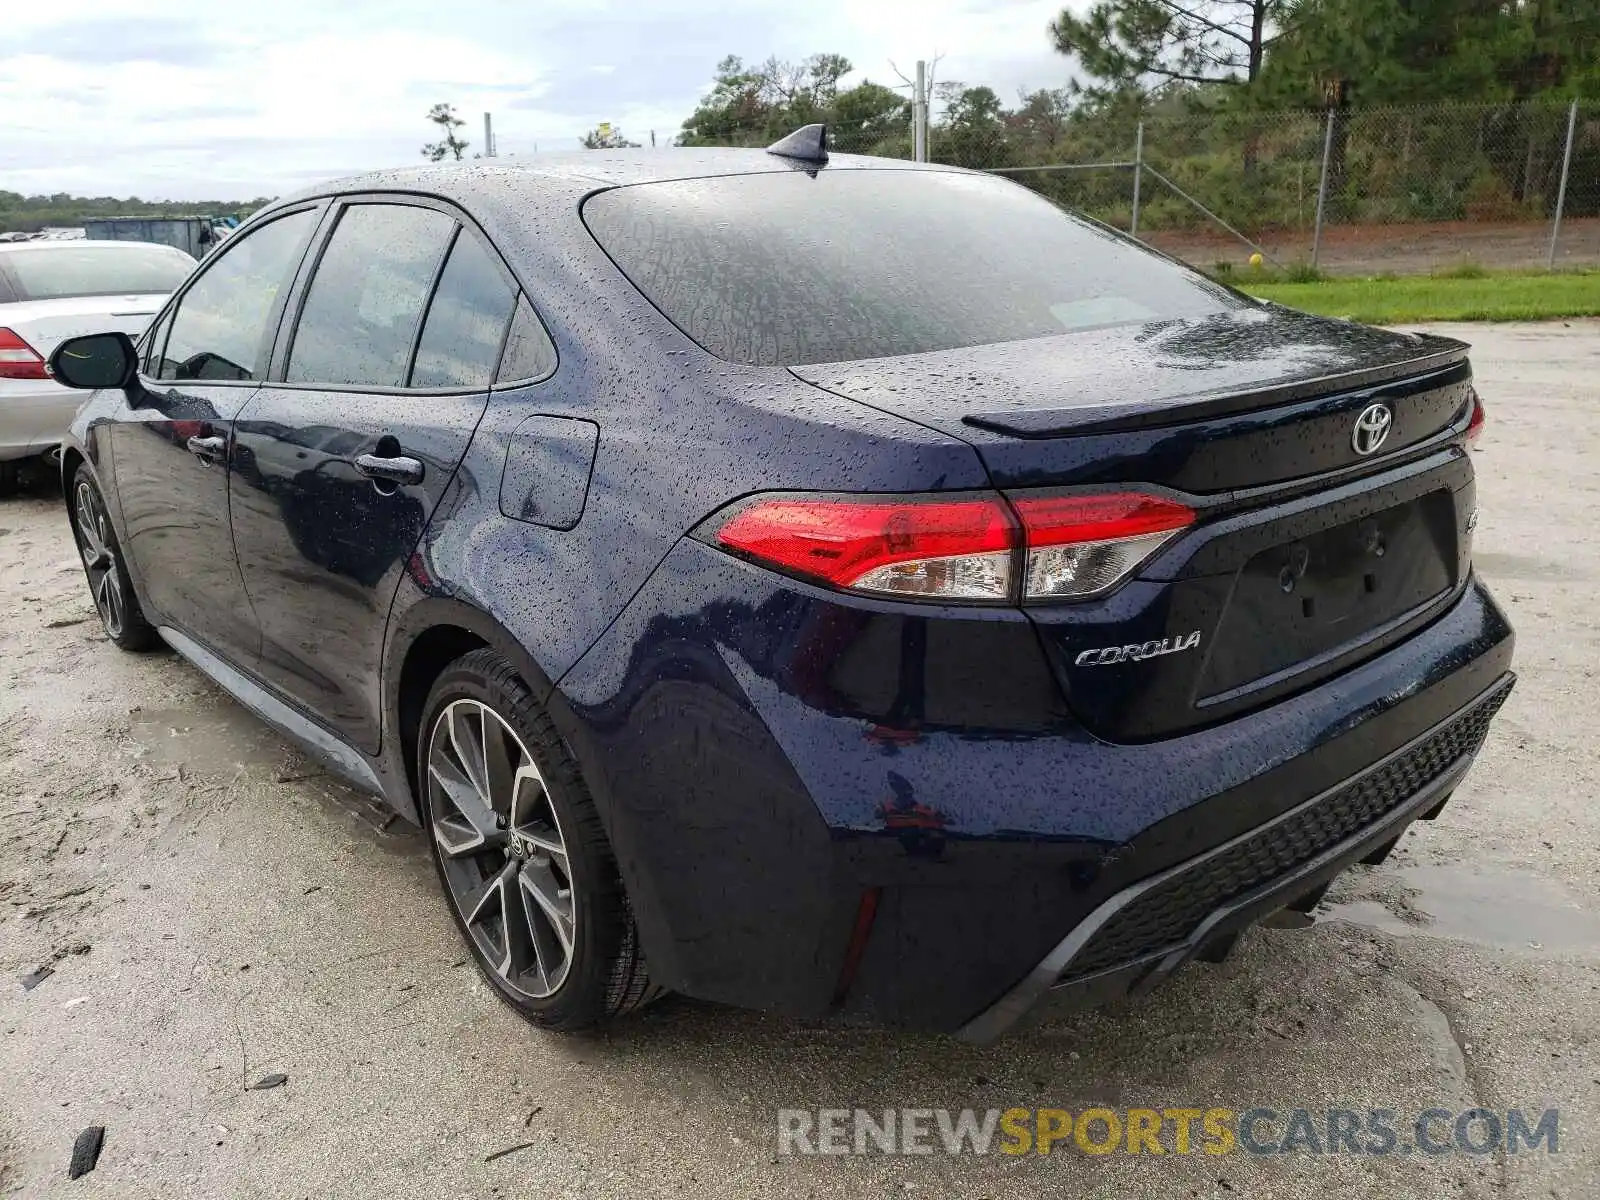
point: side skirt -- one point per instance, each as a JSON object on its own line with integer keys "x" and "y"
{"x": 327, "y": 748}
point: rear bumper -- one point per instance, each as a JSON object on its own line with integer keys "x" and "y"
{"x": 34, "y": 415}
{"x": 1144, "y": 933}
{"x": 767, "y": 755}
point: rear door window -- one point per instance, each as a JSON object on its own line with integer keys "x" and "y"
{"x": 466, "y": 321}
{"x": 365, "y": 304}
{"x": 791, "y": 267}
{"x": 221, "y": 329}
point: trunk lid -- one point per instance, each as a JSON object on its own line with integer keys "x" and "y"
{"x": 45, "y": 324}
{"x": 1238, "y": 399}
{"x": 1308, "y": 554}
{"x": 1262, "y": 599}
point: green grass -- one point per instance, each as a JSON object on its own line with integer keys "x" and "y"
{"x": 1461, "y": 294}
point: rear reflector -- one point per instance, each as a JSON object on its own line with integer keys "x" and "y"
{"x": 962, "y": 546}
{"x": 1081, "y": 545}
{"x": 866, "y": 914}
{"x": 18, "y": 360}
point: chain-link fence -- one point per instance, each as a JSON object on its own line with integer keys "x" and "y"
{"x": 1353, "y": 191}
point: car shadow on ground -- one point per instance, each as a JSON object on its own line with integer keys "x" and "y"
{"x": 1320, "y": 1007}
{"x": 37, "y": 479}
{"x": 1284, "y": 998}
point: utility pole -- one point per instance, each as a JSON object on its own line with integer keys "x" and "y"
{"x": 1138, "y": 173}
{"x": 919, "y": 114}
{"x": 1322, "y": 187}
{"x": 488, "y": 135}
{"x": 1566, "y": 170}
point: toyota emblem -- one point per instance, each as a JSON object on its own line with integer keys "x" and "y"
{"x": 1372, "y": 428}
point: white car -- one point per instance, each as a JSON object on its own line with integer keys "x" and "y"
{"x": 52, "y": 290}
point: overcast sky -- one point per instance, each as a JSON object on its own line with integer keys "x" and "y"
{"x": 187, "y": 100}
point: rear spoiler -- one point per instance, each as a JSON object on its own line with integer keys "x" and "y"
{"x": 1444, "y": 363}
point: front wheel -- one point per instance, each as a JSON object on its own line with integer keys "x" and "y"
{"x": 102, "y": 563}
{"x": 521, "y": 852}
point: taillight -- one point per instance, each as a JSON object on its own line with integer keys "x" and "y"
{"x": 962, "y": 546}
{"x": 1081, "y": 545}
{"x": 1476, "y": 422}
{"x": 18, "y": 360}
{"x": 932, "y": 547}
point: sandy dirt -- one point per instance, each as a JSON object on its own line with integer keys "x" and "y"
{"x": 214, "y": 910}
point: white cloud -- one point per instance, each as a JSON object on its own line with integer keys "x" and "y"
{"x": 192, "y": 100}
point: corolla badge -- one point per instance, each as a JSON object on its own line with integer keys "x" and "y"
{"x": 1107, "y": 656}
{"x": 1372, "y": 428}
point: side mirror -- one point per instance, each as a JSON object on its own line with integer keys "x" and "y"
{"x": 96, "y": 360}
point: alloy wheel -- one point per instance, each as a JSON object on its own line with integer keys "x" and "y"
{"x": 99, "y": 558}
{"x": 500, "y": 845}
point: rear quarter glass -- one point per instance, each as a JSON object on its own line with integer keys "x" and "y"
{"x": 783, "y": 268}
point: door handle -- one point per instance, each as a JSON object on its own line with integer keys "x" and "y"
{"x": 208, "y": 449}
{"x": 400, "y": 470}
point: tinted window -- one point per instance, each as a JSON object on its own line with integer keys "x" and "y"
{"x": 529, "y": 353}
{"x": 783, "y": 268}
{"x": 103, "y": 269}
{"x": 151, "y": 343}
{"x": 220, "y": 330}
{"x": 361, "y": 314}
{"x": 466, "y": 320}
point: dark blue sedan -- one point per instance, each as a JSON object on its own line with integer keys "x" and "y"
{"x": 830, "y": 585}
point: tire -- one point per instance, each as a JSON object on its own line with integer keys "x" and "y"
{"x": 103, "y": 566}
{"x": 529, "y": 875}
{"x": 86, "y": 1151}
{"x": 10, "y": 476}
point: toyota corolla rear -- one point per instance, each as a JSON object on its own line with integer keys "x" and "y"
{"x": 1198, "y": 631}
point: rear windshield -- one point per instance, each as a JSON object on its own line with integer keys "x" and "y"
{"x": 97, "y": 270}
{"x": 783, "y": 268}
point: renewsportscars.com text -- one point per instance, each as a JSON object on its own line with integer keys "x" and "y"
{"x": 1152, "y": 1131}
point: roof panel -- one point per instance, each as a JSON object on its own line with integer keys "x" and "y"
{"x": 585, "y": 171}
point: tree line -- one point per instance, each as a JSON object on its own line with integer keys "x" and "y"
{"x": 31, "y": 213}
{"x": 1296, "y": 53}
{"x": 1233, "y": 95}
{"x": 1208, "y": 55}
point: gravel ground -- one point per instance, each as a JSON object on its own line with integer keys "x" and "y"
{"x": 215, "y": 910}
